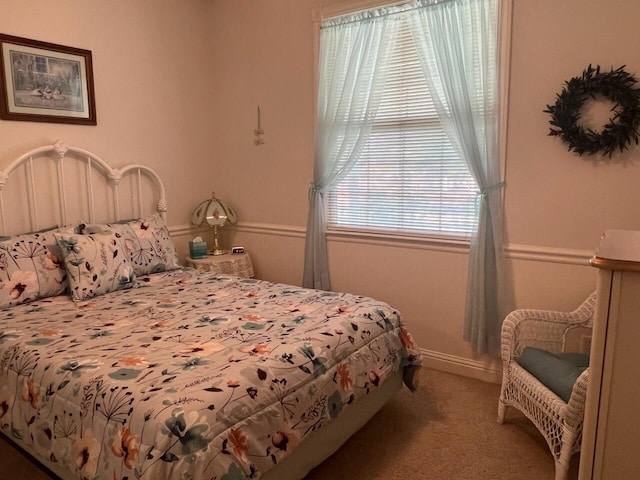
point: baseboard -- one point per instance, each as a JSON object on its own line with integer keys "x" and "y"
{"x": 486, "y": 371}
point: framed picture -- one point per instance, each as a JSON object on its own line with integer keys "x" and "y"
{"x": 45, "y": 82}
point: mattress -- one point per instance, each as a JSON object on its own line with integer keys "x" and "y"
{"x": 191, "y": 375}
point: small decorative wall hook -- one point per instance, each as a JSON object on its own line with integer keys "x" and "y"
{"x": 258, "y": 132}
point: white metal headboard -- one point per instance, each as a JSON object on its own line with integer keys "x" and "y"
{"x": 59, "y": 184}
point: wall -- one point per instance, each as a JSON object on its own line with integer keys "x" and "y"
{"x": 555, "y": 198}
{"x": 152, "y": 86}
{"x": 557, "y": 204}
{"x": 178, "y": 85}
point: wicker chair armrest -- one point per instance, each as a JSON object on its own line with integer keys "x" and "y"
{"x": 575, "y": 407}
{"x": 541, "y": 328}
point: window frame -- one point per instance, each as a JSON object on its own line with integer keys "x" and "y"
{"x": 418, "y": 240}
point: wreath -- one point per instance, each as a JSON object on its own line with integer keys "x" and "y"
{"x": 621, "y": 129}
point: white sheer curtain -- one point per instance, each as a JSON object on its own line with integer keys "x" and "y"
{"x": 457, "y": 40}
{"x": 353, "y": 54}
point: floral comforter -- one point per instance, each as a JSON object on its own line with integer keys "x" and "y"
{"x": 190, "y": 375}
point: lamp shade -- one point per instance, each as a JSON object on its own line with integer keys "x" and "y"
{"x": 213, "y": 212}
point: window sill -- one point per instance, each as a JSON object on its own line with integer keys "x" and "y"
{"x": 402, "y": 240}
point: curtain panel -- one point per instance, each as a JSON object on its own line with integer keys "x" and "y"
{"x": 457, "y": 41}
{"x": 354, "y": 49}
{"x": 461, "y": 35}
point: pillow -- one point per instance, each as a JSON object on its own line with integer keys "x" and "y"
{"x": 31, "y": 267}
{"x": 42, "y": 230}
{"x": 96, "y": 264}
{"x": 147, "y": 242}
{"x": 558, "y": 372}
{"x": 578, "y": 359}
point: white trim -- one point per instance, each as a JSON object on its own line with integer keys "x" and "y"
{"x": 244, "y": 227}
{"x": 450, "y": 245}
{"x": 184, "y": 229}
{"x": 505, "y": 16}
{"x": 271, "y": 229}
{"x": 535, "y": 253}
{"x": 490, "y": 371}
{"x": 538, "y": 253}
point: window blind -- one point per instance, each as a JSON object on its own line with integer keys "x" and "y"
{"x": 409, "y": 179}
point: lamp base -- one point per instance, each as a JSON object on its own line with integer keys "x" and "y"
{"x": 217, "y": 251}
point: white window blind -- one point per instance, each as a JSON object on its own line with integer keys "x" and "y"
{"x": 408, "y": 179}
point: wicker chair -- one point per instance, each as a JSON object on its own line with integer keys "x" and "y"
{"x": 559, "y": 422}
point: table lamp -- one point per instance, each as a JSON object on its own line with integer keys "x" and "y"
{"x": 214, "y": 213}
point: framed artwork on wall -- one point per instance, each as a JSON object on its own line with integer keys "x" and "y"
{"x": 45, "y": 82}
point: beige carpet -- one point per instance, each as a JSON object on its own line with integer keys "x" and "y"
{"x": 446, "y": 430}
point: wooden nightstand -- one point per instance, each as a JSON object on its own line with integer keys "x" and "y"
{"x": 238, "y": 264}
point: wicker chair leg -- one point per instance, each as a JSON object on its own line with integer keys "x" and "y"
{"x": 563, "y": 461}
{"x": 502, "y": 409}
{"x": 561, "y": 470}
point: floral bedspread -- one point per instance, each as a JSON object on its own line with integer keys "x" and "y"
{"x": 191, "y": 375}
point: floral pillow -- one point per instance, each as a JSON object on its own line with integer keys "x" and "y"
{"x": 31, "y": 267}
{"x": 147, "y": 242}
{"x": 96, "y": 264}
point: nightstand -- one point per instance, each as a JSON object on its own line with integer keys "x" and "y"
{"x": 238, "y": 264}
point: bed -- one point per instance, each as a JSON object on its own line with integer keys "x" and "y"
{"x": 118, "y": 363}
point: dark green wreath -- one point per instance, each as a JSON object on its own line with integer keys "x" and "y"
{"x": 621, "y": 129}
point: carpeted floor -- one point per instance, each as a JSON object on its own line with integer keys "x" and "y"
{"x": 446, "y": 430}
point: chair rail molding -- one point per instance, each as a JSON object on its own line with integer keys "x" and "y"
{"x": 516, "y": 251}
{"x": 570, "y": 256}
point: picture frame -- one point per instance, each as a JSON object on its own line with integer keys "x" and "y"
{"x": 45, "y": 82}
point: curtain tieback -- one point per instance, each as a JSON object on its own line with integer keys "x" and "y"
{"x": 486, "y": 191}
{"x": 313, "y": 189}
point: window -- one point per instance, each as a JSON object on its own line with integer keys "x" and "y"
{"x": 409, "y": 179}
{"x": 41, "y": 65}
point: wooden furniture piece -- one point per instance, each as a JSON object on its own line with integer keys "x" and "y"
{"x": 238, "y": 264}
{"x": 612, "y": 417}
{"x": 559, "y": 421}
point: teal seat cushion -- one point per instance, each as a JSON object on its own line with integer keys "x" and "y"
{"x": 558, "y": 372}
